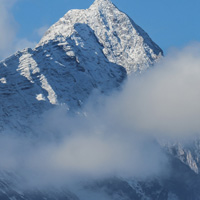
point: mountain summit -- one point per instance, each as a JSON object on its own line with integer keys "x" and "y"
{"x": 123, "y": 41}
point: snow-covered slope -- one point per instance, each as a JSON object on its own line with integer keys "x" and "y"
{"x": 123, "y": 41}
{"x": 33, "y": 81}
{"x": 86, "y": 50}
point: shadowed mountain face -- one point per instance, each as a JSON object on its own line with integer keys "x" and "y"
{"x": 85, "y": 52}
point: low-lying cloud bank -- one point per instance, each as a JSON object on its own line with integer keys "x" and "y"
{"x": 118, "y": 136}
{"x": 84, "y": 149}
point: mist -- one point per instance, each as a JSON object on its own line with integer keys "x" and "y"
{"x": 165, "y": 101}
{"x": 8, "y": 27}
{"x": 112, "y": 136}
{"x": 70, "y": 150}
{"x": 10, "y": 42}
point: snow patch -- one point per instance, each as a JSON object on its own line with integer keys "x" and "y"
{"x": 40, "y": 97}
{"x": 3, "y": 80}
{"x": 51, "y": 94}
{"x": 28, "y": 66}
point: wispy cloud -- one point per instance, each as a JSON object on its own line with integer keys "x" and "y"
{"x": 9, "y": 42}
{"x": 7, "y": 27}
{"x": 70, "y": 150}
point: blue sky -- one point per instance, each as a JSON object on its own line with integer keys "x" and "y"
{"x": 170, "y": 23}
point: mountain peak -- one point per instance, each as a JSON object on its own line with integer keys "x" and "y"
{"x": 101, "y": 4}
{"x": 123, "y": 41}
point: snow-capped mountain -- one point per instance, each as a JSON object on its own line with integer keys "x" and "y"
{"x": 123, "y": 41}
{"x": 86, "y": 51}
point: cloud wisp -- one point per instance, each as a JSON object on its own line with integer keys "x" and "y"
{"x": 9, "y": 41}
{"x": 7, "y": 27}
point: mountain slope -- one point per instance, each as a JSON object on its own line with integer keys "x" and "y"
{"x": 86, "y": 50}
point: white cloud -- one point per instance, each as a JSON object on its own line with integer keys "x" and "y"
{"x": 165, "y": 100}
{"x": 7, "y": 27}
{"x": 72, "y": 149}
{"x": 9, "y": 42}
